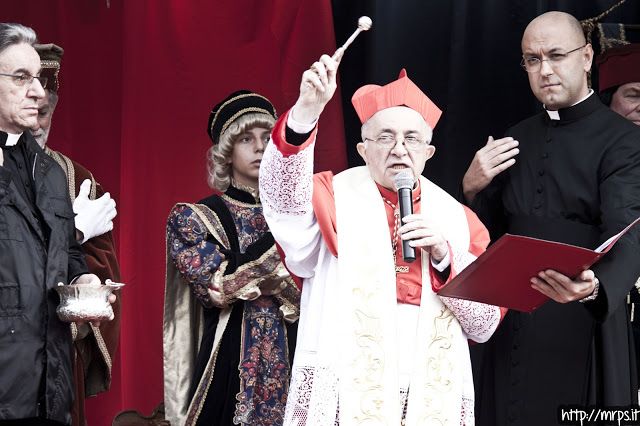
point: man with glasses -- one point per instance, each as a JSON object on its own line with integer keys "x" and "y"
{"x": 374, "y": 340}
{"x": 569, "y": 174}
{"x": 38, "y": 249}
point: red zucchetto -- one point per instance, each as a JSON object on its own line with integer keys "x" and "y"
{"x": 619, "y": 65}
{"x": 372, "y": 98}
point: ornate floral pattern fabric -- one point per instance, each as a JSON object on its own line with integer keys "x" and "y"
{"x": 264, "y": 370}
{"x": 198, "y": 255}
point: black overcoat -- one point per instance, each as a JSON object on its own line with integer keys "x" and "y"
{"x": 33, "y": 341}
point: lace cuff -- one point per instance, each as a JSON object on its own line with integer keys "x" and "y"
{"x": 478, "y": 320}
{"x": 286, "y": 183}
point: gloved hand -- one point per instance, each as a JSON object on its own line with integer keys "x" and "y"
{"x": 93, "y": 217}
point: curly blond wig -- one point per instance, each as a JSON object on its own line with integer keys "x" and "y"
{"x": 218, "y": 168}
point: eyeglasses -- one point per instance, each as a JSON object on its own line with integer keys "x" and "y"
{"x": 412, "y": 143}
{"x": 22, "y": 79}
{"x": 534, "y": 64}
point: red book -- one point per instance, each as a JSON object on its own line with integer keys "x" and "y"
{"x": 501, "y": 275}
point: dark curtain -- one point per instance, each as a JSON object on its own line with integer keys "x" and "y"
{"x": 464, "y": 54}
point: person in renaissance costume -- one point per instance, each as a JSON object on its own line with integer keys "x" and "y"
{"x": 94, "y": 347}
{"x": 619, "y": 80}
{"x": 375, "y": 342}
{"x": 619, "y": 89}
{"x": 570, "y": 174}
{"x": 230, "y": 305}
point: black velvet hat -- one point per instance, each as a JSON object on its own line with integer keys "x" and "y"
{"x": 234, "y": 106}
{"x": 50, "y": 57}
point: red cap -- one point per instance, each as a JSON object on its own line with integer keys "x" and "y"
{"x": 619, "y": 65}
{"x": 372, "y": 98}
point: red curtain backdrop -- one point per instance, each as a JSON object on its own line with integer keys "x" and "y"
{"x": 137, "y": 83}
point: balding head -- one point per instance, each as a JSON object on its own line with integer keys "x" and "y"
{"x": 568, "y": 23}
{"x": 558, "y": 58}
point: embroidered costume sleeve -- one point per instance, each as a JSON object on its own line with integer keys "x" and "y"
{"x": 246, "y": 276}
{"x": 220, "y": 276}
{"x": 195, "y": 252}
{"x": 478, "y": 320}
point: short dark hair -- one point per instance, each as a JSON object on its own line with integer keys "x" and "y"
{"x": 11, "y": 34}
{"x": 607, "y": 94}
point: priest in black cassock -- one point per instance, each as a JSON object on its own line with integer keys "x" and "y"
{"x": 569, "y": 174}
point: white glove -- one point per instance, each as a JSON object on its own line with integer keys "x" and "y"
{"x": 93, "y": 217}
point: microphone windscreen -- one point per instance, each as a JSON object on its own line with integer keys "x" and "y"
{"x": 404, "y": 179}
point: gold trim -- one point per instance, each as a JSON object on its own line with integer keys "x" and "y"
{"x": 69, "y": 170}
{"x": 218, "y": 278}
{"x": 241, "y": 269}
{"x": 608, "y": 42}
{"x": 246, "y": 95}
{"x": 239, "y": 372}
{"x": 103, "y": 346}
{"x": 290, "y": 311}
{"x": 239, "y": 203}
{"x": 182, "y": 315}
{"x": 255, "y": 193}
{"x": 210, "y": 365}
{"x": 58, "y": 157}
{"x": 71, "y": 178}
{"x": 197, "y": 209}
{"x": 52, "y": 65}
{"x": 235, "y": 116}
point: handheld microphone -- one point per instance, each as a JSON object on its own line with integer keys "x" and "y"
{"x": 404, "y": 184}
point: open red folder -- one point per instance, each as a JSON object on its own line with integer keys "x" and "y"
{"x": 501, "y": 275}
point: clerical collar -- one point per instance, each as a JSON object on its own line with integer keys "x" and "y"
{"x": 9, "y": 139}
{"x": 555, "y": 115}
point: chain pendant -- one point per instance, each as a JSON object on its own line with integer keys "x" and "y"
{"x": 400, "y": 269}
{"x": 394, "y": 242}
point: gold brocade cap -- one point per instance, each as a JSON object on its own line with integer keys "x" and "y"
{"x": 50, "y": 57}
{"x": 234, "y": 106}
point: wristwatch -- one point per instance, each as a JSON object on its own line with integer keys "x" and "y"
{"x": 593, "y": 295}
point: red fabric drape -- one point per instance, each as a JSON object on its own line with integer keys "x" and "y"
{"x": 137, "y": 83}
